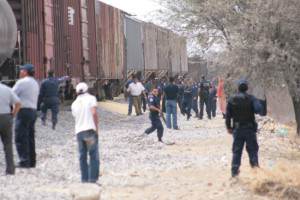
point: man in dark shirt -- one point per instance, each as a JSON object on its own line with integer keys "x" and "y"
{"x": 187, "y": 98}
{"x": 169, "y": 95}
{"x": 242, "y": 108}
{"x": 49, "y": 91}
{"x": 213, "y": 99}
{"x": 203, "y": 91}
{"x": 154, "y": 105}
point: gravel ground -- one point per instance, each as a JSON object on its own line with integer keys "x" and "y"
{"x": 131, "y": 162}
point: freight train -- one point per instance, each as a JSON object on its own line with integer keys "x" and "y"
{"x": 87, "y": 40}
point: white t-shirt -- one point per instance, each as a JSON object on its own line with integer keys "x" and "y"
{"x": 7, "y": 99}
{"x": 27, "y": 89}
{"x": 82, "y": 111}
{"x": 135, "y": 89}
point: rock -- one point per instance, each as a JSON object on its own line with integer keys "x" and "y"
{"x": 85, "y": 191}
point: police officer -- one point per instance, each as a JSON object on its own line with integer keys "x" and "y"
{"x": 203, "y": 91}
{"x": 241, "y": 107}
{"x": 195, "y": 97}
{"x": 213, "y": 98}
{"x": 163, "y": 83}
{"x": 187, "y": 98}
{"x": 154, "y": 105}
{"x": 180, "y": 92}
{"x": 49, "y": 92}
{"x": 146, "y": 92}
{"x": 130, "y": 102}
{"x": 157, "y": 85}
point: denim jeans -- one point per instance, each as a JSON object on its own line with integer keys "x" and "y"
{"x": 54, "y": 109}
{"x": 88, "y": 143}
{"x": 24, "y": 137}
{"x": 130, "y": 104}
{"x": 171, "y": 108}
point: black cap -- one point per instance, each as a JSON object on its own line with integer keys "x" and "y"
{"x": 50, "y": 72}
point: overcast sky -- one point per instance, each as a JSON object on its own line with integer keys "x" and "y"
{"x": 141, "y": 8}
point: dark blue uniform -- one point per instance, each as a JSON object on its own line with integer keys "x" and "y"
{"x": 154, "y": 117}
{"x": 163, "y": 84}
{"x": 241, "y": 108}
{"x": 180, "y": 95}
{"x": 195, "y": 99}
{"x": 143, "y": 97}
{"x": 204, "y": 98}
{"x": 129, "y": 97}
{"x": 187, "y": 100}
{"x": 213, "y": 101}
{"x": 49, "y": 91}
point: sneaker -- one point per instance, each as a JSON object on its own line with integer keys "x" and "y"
{"x": 177, "y": 129}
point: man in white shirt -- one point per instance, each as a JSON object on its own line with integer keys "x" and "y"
{"x": 27, "y": 89}
{"x": 84, "y": 109}
{"x": 136, "y": 89}
{"x": 8, "y": 98}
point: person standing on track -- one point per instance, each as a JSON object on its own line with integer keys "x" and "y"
{"x": 170, "y": 94}
{"x": 144, "y": 98}
{"x": 155, "y": 111}
{"x": 136, "y": 89}
{"x": 27, "y": 89}
{"x": 49, "y": 92}
{"x": 7, "y": 99}
{"x": 84, "y": 110}
{"x": 203, "y": 91}
{"x": 242, "y": 108}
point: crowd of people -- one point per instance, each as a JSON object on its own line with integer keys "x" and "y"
{"x": 166, "y": 95}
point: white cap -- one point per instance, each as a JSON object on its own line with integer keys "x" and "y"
{"x": 81, "y": 88}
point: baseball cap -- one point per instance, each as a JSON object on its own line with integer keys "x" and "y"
{"x": 180, "y": 77}
{"x": 29, "y": 67}
{"x": 81, "y": 88}
{"x": 242, "y": 81}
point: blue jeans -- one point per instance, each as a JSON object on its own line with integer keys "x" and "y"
{"x": 54, "y": 109}
{"x": 242, "y": 136}
{"x": 88, "y": 143}
{"x": 171, "y": 108}
{"x": 130, "y": 104}
{"x": 24, "y": 137}
{"x": 186, "y": 106}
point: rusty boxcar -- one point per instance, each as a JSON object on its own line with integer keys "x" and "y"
{"x": 93, "y": 42}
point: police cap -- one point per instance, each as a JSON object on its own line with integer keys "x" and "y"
{"x": 242, "y": 81}
{"x": 164, "y": 76}
{"x": 186, "y": 79}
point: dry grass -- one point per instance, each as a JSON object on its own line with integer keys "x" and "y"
{"x": 282, "y": 181}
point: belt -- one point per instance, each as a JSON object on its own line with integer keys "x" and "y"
{"x": 51, "y": 96}
{"x": 28, "y": 109}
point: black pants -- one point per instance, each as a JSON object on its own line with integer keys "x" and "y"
{"x": 24, "y": 137}
{"x": 240, "y": 137}
{"x": 6, "y": 137}
{"x": 204, "y": 100}
{"x": 155, "y": 125}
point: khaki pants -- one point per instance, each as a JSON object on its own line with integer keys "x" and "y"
{"x": 137, "y": 103}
